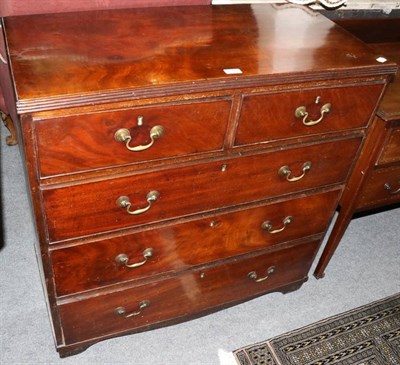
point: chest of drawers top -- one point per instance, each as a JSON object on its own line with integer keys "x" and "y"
{"x": 75, "y": 59}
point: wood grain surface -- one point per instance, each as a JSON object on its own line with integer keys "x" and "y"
{"x": 179, "y": 247}
{"x": 185, "y": 295}
{"x": 374, "y": 193}
{"x": 89, "y": 55}
{"x": 268, "y": 117}
{"x": 224, "y": 82}
{"x": 391, "y": 148}
{"x": 84, "y": 209}
{"x": 86, "y": 142}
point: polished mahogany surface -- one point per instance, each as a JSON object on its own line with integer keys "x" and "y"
{"x": 84, "y": 209}
{"x": 190, "y": 293}
{"x": 382, "y": 188}
{"x": 67, "y": 56}
{"x": 87, "y": 142}
{"x": 391, "y": 149}
{"x": 278, "y": 112}
{"x": 234, "y": 162}
{"x": 217, "y": 237}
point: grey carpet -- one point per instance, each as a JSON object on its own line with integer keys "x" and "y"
{"x": 365, "y": 268}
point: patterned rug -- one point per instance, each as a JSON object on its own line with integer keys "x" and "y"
{"x": 369, "y": 335}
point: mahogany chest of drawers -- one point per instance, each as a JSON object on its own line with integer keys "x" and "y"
{"x": 181, "y": 160}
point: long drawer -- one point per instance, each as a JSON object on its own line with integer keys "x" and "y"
{"x": 275, "y": 116}
{"x": 180, "y": 246}
{"x": 184, "y": 295}
{"x": 84, "y": 142}
{"x": 382, "y": 188}
{"x": 88, "y": 208}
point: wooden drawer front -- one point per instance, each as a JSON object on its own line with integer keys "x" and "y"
{"x": 178, "y": 247}
{"x": 270, "y": 117}
{"x": 192, "y": 292}
{"x": 84, "y": 142}
{"x": 381, "y": 188}
{"x": 84, "y": 209}
{"x": 391, "y": 150}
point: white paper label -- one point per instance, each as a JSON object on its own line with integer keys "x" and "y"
{"x": 233, "y": 71}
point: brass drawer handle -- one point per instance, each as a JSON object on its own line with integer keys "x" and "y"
{"x": 285, "y": 171}
{"x": 123, "y": 258}
{"x": 388, "y": 187}
{"x": 123, "y": 135}
{"x": 301, "y": 112}
{"x": 121, "y": 311}
{"x": 267, "y": 225}
{"x": 124, "y": 202}
{"x": 253, "y": 275}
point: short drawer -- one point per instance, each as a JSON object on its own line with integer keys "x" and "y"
{"x": 181, "y": 246}
{"x": 85, "y": 142}
{"x": 391, "y": 149}
{"x": 84, "y": 209}
{"x": 185, "y": 295}
{"x": 381, "y": 188}
{"x": 268, "y": 117}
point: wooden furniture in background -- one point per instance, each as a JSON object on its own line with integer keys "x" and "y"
{"x": 182, "y": 161}
{"x": 375, "y": 182}
{"x": 12, "y": 139}
{"x": 7, "y": 97}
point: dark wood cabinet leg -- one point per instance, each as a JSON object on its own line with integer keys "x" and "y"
{"x": 351, "y": 194}
{"x": 12, "y": 139}
{"x": 342, "y": 222}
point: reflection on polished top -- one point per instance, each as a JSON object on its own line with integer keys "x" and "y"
{"x": 86, "y": 54}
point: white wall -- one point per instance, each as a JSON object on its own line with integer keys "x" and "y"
{"x": 386, "y": 5}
